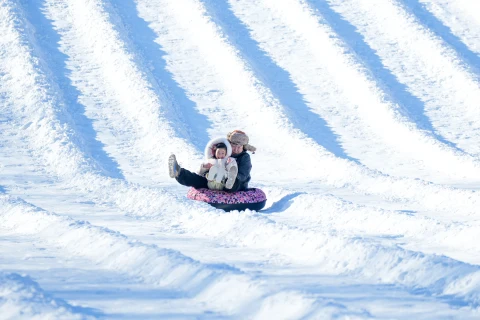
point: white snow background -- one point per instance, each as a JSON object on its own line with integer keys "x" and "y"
{"x": 366, "y": 117}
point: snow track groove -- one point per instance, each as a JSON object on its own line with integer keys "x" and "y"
{"x": 35, "y": 105}
{"x": 228, "y": 94}
{"x": 460, "y": 18}
{"x": 341, "y": 91}
{"x": 274, "y": 77}
{"x": 119, "y": 89}
{"x": 37, "y": 97}
{"x": 431, "y": 69}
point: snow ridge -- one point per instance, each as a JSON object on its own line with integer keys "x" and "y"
{"x": 221, "y": 288}
{"x": 22, "y": 298}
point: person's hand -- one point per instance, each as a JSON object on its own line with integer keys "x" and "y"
{"x": 208, "y": 165}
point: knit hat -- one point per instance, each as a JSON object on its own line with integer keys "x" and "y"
{"x": 240, "y": 138}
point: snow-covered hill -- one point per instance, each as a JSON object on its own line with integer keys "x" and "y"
{"x": 366, "y": 118}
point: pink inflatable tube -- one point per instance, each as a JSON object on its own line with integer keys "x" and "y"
{"x": 252, "y": 199}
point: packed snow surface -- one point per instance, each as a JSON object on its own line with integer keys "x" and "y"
{"x": 366, "y": 119}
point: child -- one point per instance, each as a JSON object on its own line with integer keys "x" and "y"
{"x": 219, "y": 168}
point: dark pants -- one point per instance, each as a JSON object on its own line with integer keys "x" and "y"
{"x": 190, "y": 179}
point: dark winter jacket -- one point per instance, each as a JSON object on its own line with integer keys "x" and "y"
{"x": 244, "y": 167}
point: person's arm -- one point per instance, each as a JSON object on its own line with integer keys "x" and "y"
{"x": 204, "y": 168}
{"x": 244, "y": 167}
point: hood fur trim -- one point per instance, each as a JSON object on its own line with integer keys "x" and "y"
{"x": 209, "y": 149}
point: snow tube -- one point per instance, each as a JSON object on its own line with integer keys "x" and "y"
{"x": 252, "y": 199}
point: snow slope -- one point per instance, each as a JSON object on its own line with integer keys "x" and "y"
{"x": 366, "y": 120}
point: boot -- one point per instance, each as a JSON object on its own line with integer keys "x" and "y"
{"x": 173, "y": 167}
{"x": 231, "y": 176}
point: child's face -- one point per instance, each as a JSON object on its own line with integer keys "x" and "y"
{"x": 220, "y": 153}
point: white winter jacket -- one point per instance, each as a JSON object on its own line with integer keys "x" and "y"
{"x": 218, "y": 173}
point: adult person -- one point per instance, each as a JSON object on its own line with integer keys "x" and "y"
{"x": 239, "y": 142}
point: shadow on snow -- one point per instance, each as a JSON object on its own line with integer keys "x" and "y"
{"x": 282, "y": 204}
{"x": 412, "y": 106}
{"x": 275, "y": 78}
{"x": 144, "y": 40}
{"x": 116, "y": 293}
{"x": 37, "y": 293}
{"x": 56, "y": 61}
{"x": 444, "y": 32}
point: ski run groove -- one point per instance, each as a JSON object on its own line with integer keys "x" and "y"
{"x": 459, "y": 17}
{"x": 429, "y": 68}
{"x": 371, "y": 117}
{"x": 368, "y": 150}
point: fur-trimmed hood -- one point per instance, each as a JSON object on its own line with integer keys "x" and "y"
{"x": 210, "y": 148}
